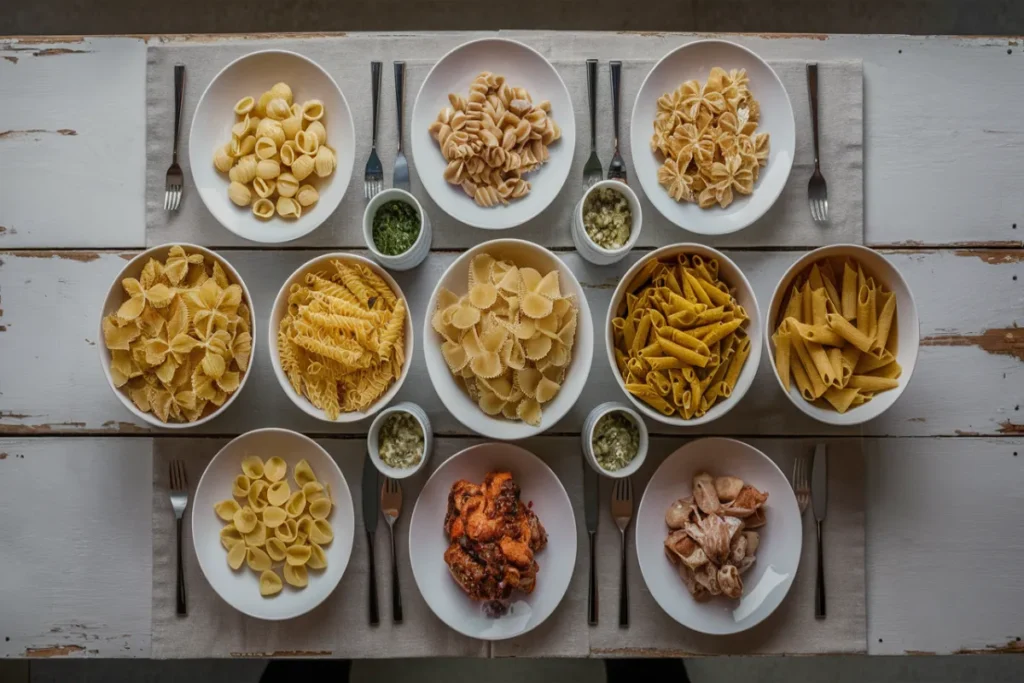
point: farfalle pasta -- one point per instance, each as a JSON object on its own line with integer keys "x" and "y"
{"x": 342, "y": 341}
{"x": 266, "y": 536}
{"x": 707, "y": 136}
{"x": 492, "y": 138}
{"x": 182, "y": 340}
{"x": 509, "y": 338}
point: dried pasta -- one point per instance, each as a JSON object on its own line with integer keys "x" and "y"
{"x": 706, "y": 136}
{"x": 841, "y": 349}
{"x": 342, "y": 341}
{"x": 492, "y": 138}
{"x": 181, "y": 342}
{"x": 265, "y": 539}
{"x": 679, "y": 335}
{"x": 509, "y": 338}
{"x": 270, "y": 136}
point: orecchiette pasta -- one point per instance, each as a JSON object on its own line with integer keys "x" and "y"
{"x": 492, "y": 138}
{"x": 268, "y": 539}
{"x": 276, "y": 144}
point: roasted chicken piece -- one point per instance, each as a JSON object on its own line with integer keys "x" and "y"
{"x": 730, "y": 582}
{"x": 682, "y": 548}
{"x": 746, "y": 503}
{"x": 728, "y": 488}
{"x": 493, "y": 538}
{"x": 705, "y": 495}
{"x": 680, "y": 512}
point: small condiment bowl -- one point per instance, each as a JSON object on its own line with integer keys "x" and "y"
{"x": 589, "y": 249}
{"x": 587, "y": 437}
{"x": 373, "y": 440}
{"x": 413, "y": 256}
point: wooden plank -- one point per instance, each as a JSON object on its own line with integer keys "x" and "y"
{"x": 968, "y": 303}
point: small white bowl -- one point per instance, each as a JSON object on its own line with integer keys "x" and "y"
{"x": 729, "y": 273}
{"x": 415, "y": 254}
{"x": 907, "y": 325}
{"x": 587, "y": 438}
{"x": 451, "y": 391}
{"x": 586, "y": 247}
{"x": 116, "y": 296}
{"x": 323, "y": 263}
{"x": 251, "y": 75}
{"x": 373, "y": 440}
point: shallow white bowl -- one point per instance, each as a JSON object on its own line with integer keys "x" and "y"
{"x": 450, "y": 390}
{"x": 586, "y": 247}
{"x": 522, "y": 66}
{"x": 373, "y": 440}
{"x": 415, "y": 254}
{"x": 240, "y": 588}
{"x": 907, "y": 326}
{"x": 587, "y": 439}
{"x": 323, "y": 263}
{"x": 252, "y": 75}
{"x": 694, "y": 61}
{"x": 427, "y": 542}
{"x": 728, "y": 272}
{"x": 116, "y": 296}
{"x": 766, "y": 583}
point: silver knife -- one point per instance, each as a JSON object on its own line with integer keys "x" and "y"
{"x": 819, "y": 499}
{"x": 590, "y": 514}
{"x": 371, "y": 511}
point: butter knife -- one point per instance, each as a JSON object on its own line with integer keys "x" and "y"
{"x": 371, "y": 511}
{"x": 590, "y": 514}
{"x": 819, "y": 499}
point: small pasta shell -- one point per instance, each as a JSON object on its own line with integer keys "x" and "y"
{"x": 303, "y": 473}
{"x": 324, "y": 162}
{"x": 239, "y": 194}
{"x": 317, "y": 128}
{"x": 264, "y": 188}
{"x": 317, "y": 557}
{"x": 297, "y": 555}
{"x": 241, "y": 127}
{"x": 257, "y": 559}
{"x": 296, "y": 576}
{"x": 278, "y": 109}
{"x": 247, "y": 145}
{"x": 275, "y": 469}
{"x": 269, "y": 128}
{"x": 244, "y": 520}
{"x": 292, "y": 126}
{"x": 275, "y": 548}
{"x": 283, "y": 91}
{"x": 321, "y": 532}
{"x": 288, "y": 208}
{"x": 274, "y": 517}
{"x": 244, "y": 105}
{"x": 268, "y": 169}
{"x": 222, "y": 159}
{"x": 230, "y": 537}
{"x": 307, "y": 195}
{"x": 236, "y": 555}
{"x": 296, "y": 505}
{"x": 265, "y": 148}
{"x": 296, "y": 109}
{"x": 287, "y": 153}
{"x": 270, "y": 583}
{"x": 307, "y": 143}
{"x": 257, "y": 496}
{"x": 226, "y": 509}
{"x": 320, "y": 508}
{"x": 287, "y": 185}
{"x": 278, "y": 493}
{"x": 305, "y": 525}
{"x": 312, "y": 490}
{"x": 243, "y": 171}
{"x": 241, "y": 487}
{"x": 287, "y": 531}
{"x": 313, "y": 110}
{"x": 258, "y": 536}
{"x": 263, "y": 208}
{"x": 302, "y": 167}
{"x": 261, "y": 103}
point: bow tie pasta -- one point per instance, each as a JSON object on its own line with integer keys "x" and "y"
{"x": 276, "y": 144}
{"x": 706, "y": 134}
{"x": 509, "y": 338}
{"x": 492, "y": 138}
{"x": 181, "y": 341}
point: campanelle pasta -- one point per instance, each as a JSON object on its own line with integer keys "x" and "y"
{"x": 836, "y": 336}
{"x": 266, "y": 537}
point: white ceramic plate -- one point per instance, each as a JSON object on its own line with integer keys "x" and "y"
{"x": 907, "y": 326}
{"x": 240, "y": 589}
{"x": 766, "y": 583}
{"x": 427, "y": 542}
{"x": 694, "y": 61}
{"x": 521, "y": 66}
{"x": 451, "y": 392}
{"x": 252, "y": 75}
{"x": 731, "y": 274}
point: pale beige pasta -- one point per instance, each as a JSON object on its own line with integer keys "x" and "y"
{"x": 292, "y": 126}
{"x": 317, "y": 129}
{"x": 263, "y": 188}
{"x": 265, "y": 148}
{"x": 283, "y": 91}
{"x": 244, "y": 106}
{"x": 226, "y": 509}
{"x": 243, "y": 171}
{"x": 313, "y": 110}
{"x": 287, "y": 153}
{"x": 269, "y": 128}
{"x": 287, "y": 185}
{"x": 278, "y": 493}
{"x": 270, "y": 583}
{"x": 324, "y": 162}
{"x": 288, "y": 208}
{"x": 239, "y": 194}
{"x": 278, "y": 109}
{"x": 237, "y": 555}
{"x": 296, "y": 575}
{"x": 263, "y": 208}
{"x": 302, "y": 167}
{"x": 268, "y": 169}
{"x": 307, "y": 143}
{"x": 307, "y": 195}
{"x": 222, "y": 159}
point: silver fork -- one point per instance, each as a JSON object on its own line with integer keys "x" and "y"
{"x": 592, "y": 171}
{"x": 802, "y": 481}
{"x": 617, "y": 168}
{"x": 179, "y": 501}
{"x": 391, "y": 507}
{"x": 175, "y": 178}
{"x": 817, "y": 191}
{"x": 373, "y": 178}
{"x": 401, "y": 164}
{"x": 622, "y": 512}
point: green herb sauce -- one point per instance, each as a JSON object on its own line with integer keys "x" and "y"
{"x": 607, "y": 218}
{"x": 396, "y": 225}
{"x": 400, "y": 442}
{"x": 616, "y": 441}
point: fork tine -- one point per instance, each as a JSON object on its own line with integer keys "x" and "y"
{"x": 167, "y": 200}
{"x": 184, "y": 474}
{"x": 177, "y": 198}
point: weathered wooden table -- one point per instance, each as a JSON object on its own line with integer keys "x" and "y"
{"x": 945, "y": 484}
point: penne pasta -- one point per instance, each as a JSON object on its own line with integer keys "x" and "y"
{"x": 868, "y": 362}
{"x": 781, "y": 342}
{"x": 871, "y": 383}
{"x": 659, "y": 381}
{"x": 891, "y": 371}
{"x": 687, "y": 356}
{"x": 850, "y": 356}
{"x": 835, "y": 359}
{"x": 664, "y": 363}
{"x": 683, "y": 339}
{"x": 849, "y": 293}
{"x": 884, "y": 324}
{"x": 845, "y": 329}
{"x": 795, "y": 307}
{"x": 819, "y": 334}
{"x": 721, "y": 330}
{"x": 821, "y": 362}
{"x": 736, "y": 364}
{"x": 807, "y": 315}
{"x": 797, "y": 344}
{"x": 646, "y": 394}
{"x": 818, "y": 311}
{"x": 803, "y": 382}
{"x": 840, "y": 399}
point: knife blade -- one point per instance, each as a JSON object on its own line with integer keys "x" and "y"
{"x": 590, "y": 515}
{"x": 371, "y": 511}
{"x": 819, "y": 499}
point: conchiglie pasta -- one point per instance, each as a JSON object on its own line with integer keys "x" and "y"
{"x": 276, "y": 549}
{"x": 265, "y": 148}
{"x": 274, "y": 517}
{"x": 222, "y": 159}
{"x": 278, "y": 109}
{"x": 303, "y": 473}
{"x": 302, "y": 167}
{"x": 264, "y": 188}
{"x": 244, "y": 106}
{"x": 243, "y": 171}
{"x": 324, "y": 162}
{"x": 263, "y": 208}
{"x": 283, "y": 91}
{"x": 257, "y": 559}
{"x": 275, "y": 469}
{"x": 230, "y": 537}
{"x": 287, "y": 153}
{"x": 226, "y": 509}
{"x": 292, "y": 126}
{"x": 278, "y": 492}
{"x": 307, "y": 195}
{"x": 237, "y": 555}
{"x": 296, "y": 575}
{"x": 268, "y": 168}
{"x": 287, "y": 531}
{"x": 320, "y": 532}
{"x": 307, "y": 143}
{"x": 296, "y": 504}
{"x": 320, "y": 508}
{"x": 287, "y": 185}
{"x": 317, "y": 557}
{"x": 317, "y": 128}
{"x": 313, "y": 110}
{"x": 288, "y": 207}
{"x": 239, "y": 194}
{"x": 270, "y": 584}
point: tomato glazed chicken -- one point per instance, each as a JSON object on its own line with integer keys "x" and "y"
{"x": 493, "y": 540}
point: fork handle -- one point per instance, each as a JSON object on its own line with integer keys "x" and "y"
{"x": 592, "y": 588}
{"x": 616, "y": 72}
{"x": 179, "y": 98}
{"x": 396, "y": 592}
{"x": 374, "y": 613}
{"x": 182, "y": 606}
{"x": 623, "y": 588}
{"x": 819, "y": 588}
{"x": 592, "y": 100}
{"x": 375, "y": 69}
{"x": 812, "y": 88}
{"x": 399, "y": 97}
